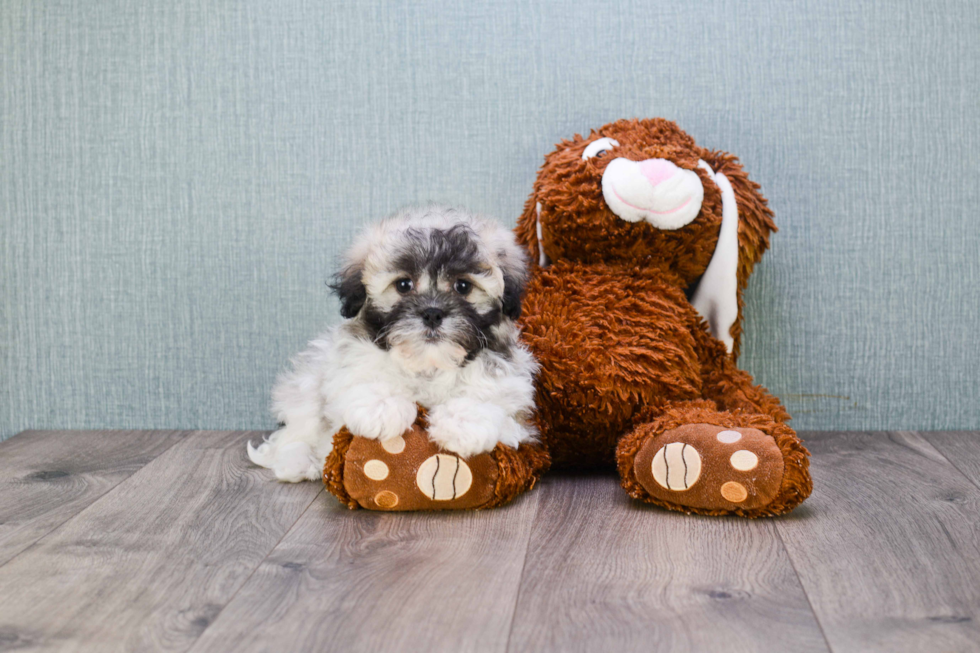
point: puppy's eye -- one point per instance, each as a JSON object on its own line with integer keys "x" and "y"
{"x": 462, "y": 286}
{"x": 599, "y": 147}
{"x": 404, "y": 286}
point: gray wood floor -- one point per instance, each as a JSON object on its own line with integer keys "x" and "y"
{"x": 147, "y": 540}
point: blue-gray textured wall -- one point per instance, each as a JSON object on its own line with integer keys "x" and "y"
{"x": 177, "y": 179}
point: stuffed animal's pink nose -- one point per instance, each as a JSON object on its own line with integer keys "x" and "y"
{"x": 657, "y": 170}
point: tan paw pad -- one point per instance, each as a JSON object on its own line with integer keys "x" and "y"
{"x": 386, "y": 499}
{"x": 676, "y": 466}
{"x": 734, "y": 492}
{"x": 728, "y": 437}
{"x": 376, "y": 470}
{"x": 744, "y": 461}
{"x": 395, "y": 445}
{"x": 444, "y": 477}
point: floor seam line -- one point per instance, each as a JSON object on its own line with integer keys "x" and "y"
{"x": 969, "y": 479}
{"x": 257, "y": 566}
{"x": 806, "y": 594}
{"x": 520, "y": 584}
{"x": 94, "y": 501}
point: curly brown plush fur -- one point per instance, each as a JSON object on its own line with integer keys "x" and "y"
{"x": 333, "y": 468}
{"x": 624, "y": 356}
{"x": 517, "y": 471}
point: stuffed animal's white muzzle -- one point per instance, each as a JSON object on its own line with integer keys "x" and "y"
{"x": 655, "y": 190}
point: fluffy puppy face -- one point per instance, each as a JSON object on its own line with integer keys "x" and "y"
{"x": 434, "y": 286}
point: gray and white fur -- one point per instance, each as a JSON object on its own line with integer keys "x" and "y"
{"x": 430, "y": 297}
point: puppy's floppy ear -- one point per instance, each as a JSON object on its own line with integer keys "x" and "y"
{"x": 512, "y": 260}
{"x": 350, "y": 289}
{"x": 513, "y": 295}
{"x": 514, "y": 268}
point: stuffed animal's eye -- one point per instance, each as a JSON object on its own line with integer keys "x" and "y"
{"x": 404, "y": 286}
{"x": 599, "y": 147}
{"x": 463, "y": 286}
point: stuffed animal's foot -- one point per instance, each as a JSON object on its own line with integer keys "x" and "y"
{"x": 753, "y": 471}
{"x": 410, "y": 472}
{"x": 706, "y": 466}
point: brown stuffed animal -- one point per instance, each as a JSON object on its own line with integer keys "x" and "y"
{"x": 644, "y": 243}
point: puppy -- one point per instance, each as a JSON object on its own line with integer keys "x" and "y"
{"x": 430, "y": 296}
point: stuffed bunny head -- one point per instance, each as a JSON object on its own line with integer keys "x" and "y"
{"x": 643, "y": 193}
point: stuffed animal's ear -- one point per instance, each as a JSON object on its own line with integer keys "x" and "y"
{"x": 716, "y": 297}
{"x": 734, "y": 257}
{"x": 528, "y": 232}
{"x": 350, "y": 289}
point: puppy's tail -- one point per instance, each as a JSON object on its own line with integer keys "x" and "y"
{"x": 263, "y": 455}
{"x": 290, "y": 459}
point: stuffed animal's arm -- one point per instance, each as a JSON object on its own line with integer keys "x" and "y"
{"x": 734, "y": 389}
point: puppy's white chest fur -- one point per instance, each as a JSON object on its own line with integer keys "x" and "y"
{"x": 431, "y": 296}
{"x": 429, "y": 378}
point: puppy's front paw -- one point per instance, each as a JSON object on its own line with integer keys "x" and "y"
{"x": 468, "y": 427}
{"x": 379, "y": 418}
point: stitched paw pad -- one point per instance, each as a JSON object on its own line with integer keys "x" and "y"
{"x": 712, "y": 467}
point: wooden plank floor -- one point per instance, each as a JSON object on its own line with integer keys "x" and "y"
{"x": 156, "y": 540}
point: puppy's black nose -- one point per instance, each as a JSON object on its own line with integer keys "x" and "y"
{"x": 432, "y": 317}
